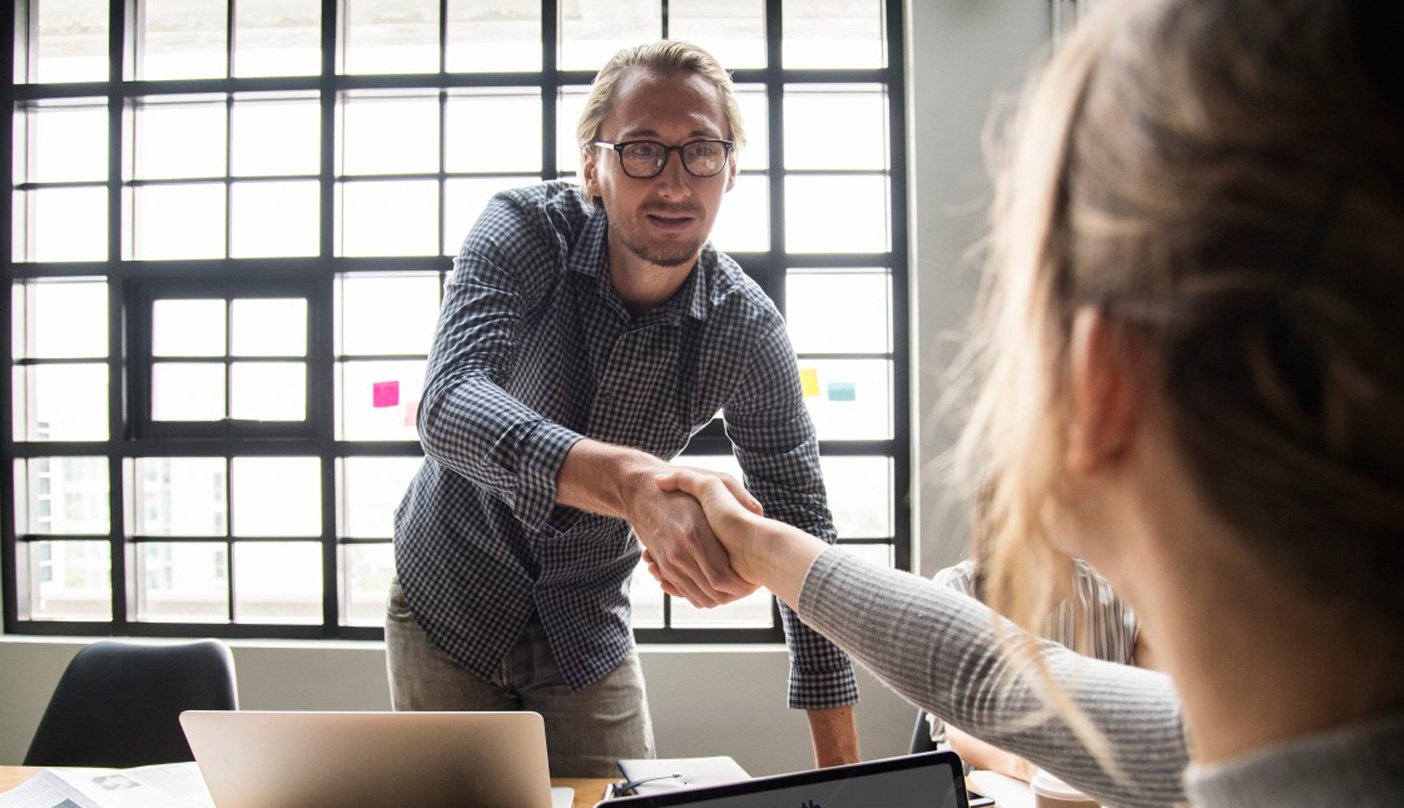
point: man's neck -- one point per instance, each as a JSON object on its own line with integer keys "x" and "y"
{"x": 641, "y": 285}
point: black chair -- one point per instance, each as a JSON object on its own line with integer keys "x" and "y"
{"x": 921, "y": 734}
{"x": 118, "y": 703}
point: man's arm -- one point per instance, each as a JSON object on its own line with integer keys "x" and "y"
{"x": 835, "y": 736}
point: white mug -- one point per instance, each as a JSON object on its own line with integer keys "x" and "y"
{"x": 1050, "y": 792}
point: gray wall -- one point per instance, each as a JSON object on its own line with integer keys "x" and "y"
{"x": 727, "y": 700}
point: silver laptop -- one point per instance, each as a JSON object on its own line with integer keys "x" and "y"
{"x": 253, "y": 759}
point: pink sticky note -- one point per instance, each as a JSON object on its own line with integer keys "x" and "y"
{"x": 385, "y": 394}
{"x": 411, "y": 412}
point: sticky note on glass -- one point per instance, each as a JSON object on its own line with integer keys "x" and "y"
{"x": 809, "y": 382}
{"x": 385, "y": 394}
{"x": 842, "y": 391}
{"x": 411, "y": 412}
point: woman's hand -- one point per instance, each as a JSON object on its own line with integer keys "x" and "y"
{"x": 730, "y": 510}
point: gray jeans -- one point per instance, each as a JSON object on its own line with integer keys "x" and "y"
{"x": 587, "y": 730}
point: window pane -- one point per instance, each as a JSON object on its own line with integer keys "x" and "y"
{"x": 731, "y": 30}
{"x": 372, "y": 488}
{"x": 181, "y": 496}
{"x": 743, "y": 223}
{"x": 493, "y": 36}
{"x": 366, "y": 570}
{"x": 751, "y": 101}
{"x": 878, "y": 554}
{"x": 387, "y": 314}
{"x": 570, "y": 102}
{"x": 272, "y": 219}
{"x": 275, "y": 135}
{"x": 378, "y": 400}
{"x": 61, "y": 142}
{"x": 62, "y": 402}
{"x": 178, "y": 221}
{"x": 592, "y": 32}
{"x": 60, "y": 318}
{"x": 187, "y": 391}
{"x": 814, "y": 224}
{"x": 67, "y": 495}
{"x": 268, "y": 391}
{"x": 187, "y": 327}
{"x": 839, "y": 311}
{"x": 269, "y": 326}
{"x": 860, "y": 495}
{"x": 849, "y": 399}
{"x": 72, "y": 43}
{"x": 464, "y": 202}
{"x": 493, "y": 132}
{"x": 277, "y": 496}
{"x": 814, "y": 108}
{"x": 181, "y": 39}
{"x": 186, "y": 582}
{"x": 646, "y": 597}
{"x": 833, "y": 34}
{"x": 277, "y": 37}
{"x": 398, "y": 37}
{"x": 752, "y": 611}
{"x": 69, "y": 580}
{"x": 179, "y": 139}
{"x": 60, "y": 224}
{"x": 389, "y": 218}
{"x": 277, "y": 582}
{"x": 384, "y": 133}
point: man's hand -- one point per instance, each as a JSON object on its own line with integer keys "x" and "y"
{"x": 729, "y": 513}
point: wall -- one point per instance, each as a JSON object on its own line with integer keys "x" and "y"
{"x": 707, "y": 701}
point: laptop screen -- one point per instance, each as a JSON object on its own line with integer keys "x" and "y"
{"x": 930, "y": 780}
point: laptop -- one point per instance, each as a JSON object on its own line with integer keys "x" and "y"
{"x": 253, "y": 759}
{"x": 927, "y": 780}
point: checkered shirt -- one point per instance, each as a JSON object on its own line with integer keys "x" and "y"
{"x": 535, "y": 350}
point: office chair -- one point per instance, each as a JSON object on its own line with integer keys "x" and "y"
{"x": 118, "y": 703}
{"x": 921, "y": 734}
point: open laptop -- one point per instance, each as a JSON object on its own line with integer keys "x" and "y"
{"x": 253, "y": 759}
{"x": 928, "y": 780}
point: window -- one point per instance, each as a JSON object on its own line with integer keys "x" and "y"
{"x": 231, "y": 223}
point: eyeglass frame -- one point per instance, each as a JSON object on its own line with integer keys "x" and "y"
{"x": 728, "y": 147}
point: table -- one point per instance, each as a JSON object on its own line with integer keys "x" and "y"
{"x": 587, "y": 790}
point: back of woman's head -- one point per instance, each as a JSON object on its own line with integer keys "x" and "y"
{"x": 1226, "y": 177}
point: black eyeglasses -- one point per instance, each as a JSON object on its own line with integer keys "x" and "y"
{"x": 642, "y": 159}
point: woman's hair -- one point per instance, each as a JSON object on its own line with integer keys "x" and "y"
{"x": 1225, "y": 177}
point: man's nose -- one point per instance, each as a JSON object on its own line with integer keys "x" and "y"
{"x": 673, "y": 180}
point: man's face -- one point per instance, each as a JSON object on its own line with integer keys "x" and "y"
{"x": 663, "y": 220}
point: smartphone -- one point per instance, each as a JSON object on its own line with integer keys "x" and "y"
{"x": 975, "y": 799}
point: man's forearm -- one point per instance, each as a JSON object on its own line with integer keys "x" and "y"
{"x": 598, "y": 477}
{"x": 834, "y": 732}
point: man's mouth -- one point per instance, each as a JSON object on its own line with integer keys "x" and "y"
{"x": 670, "y": 221}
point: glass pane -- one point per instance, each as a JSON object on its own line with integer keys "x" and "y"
{"x": 187, "y": 327}
{"x": 731, "y": 30}
{"x": 464, "y": 202}
{"x": 646, "y": 596}
{"x": 752, "y": 611}
{"x": 268, "y": 391}
{"x": 272, "y": 219}
{"x": 277, "y": 496}
{"x": 383, "y": 133}
{"x": 814, "y": 108}
{"x": 569, "y": 104}
{"x": 60, "y": 224}
{"x": 876, "y": 554}
{"x": 64, "y": 142}
{"x": 398, "y": 37}
{"x": 743, "y": 222}
{"x": 69, "y": 580}
{"x": 62, "y": 402}
{"x": 372, "y": 488}
{"x": 181, "y": 496}
{"x": 833, "y": 34}
{"x": 180, "y": 139}
{"x": 593, "y": 32}
{"x": 269, "y": 326}
{"x": 387, "y": 314}
{"x": 187, "y": 391}
{"x": 846, "y": 311}
{"x": 178, "y": 221}
{"x": 378, "y": 400}
{"x": 849, "y": 399}
{"x": 277, "y": 37}
{"x": 72, "y": 42}
{"x": 493, "y": 132}
{"x": 814, "y": 224}
{"x": 186, "y": 582}
{"x": 275, "y": 135}
{"x": 495, "y": 36}
{"x": 67, "y": 495}
{"x": 366, "y": 570}
{"x": 278, "y": 582}
{"x": 182, "y": 39}
{"x": 389, "y": 218}
{"x": 750, "y": 99}
{"x": 860, "y": 495}
{"x": 61, "y": 318}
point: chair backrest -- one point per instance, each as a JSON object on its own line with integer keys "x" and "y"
{"x": 119, "y": 703}
{"x": 921, "y": 734}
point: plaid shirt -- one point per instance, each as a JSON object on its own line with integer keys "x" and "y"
{"x": 534, "y": 350}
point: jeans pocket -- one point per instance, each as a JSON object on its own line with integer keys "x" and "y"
{"x": 396, "y": 604}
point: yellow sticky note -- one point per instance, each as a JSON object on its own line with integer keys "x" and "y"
{"x": 809, "y": 381}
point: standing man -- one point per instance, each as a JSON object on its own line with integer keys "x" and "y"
{"x": 586, "y": 335}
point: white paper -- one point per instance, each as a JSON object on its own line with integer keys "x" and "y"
{"x": 168, "y": 785}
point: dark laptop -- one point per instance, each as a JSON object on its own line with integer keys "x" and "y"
{"x": 928, "y": 780}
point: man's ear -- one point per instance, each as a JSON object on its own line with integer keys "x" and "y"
{"x": 588, "y": 167}
{"x": 731, "y": 170}
{"x": 1107, "y": 378}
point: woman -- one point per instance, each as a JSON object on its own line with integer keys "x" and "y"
{"x": 1193, "y": 381}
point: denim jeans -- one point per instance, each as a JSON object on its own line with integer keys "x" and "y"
{"x": 587, "y": 730}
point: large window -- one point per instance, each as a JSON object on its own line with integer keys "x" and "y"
{"x": 230, "y": 224}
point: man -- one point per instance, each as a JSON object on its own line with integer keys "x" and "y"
{"x": 584, "y": 338}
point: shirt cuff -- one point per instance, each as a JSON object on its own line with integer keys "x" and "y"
{"x": 541, "y": 457}
{"x": 821, "y": 690}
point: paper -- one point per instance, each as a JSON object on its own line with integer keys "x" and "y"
{"x": 809, "y": 382}
{"x": 385, "y": 394}
{"x": 842, "y": 391}
{"x": 168, "y": 785}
